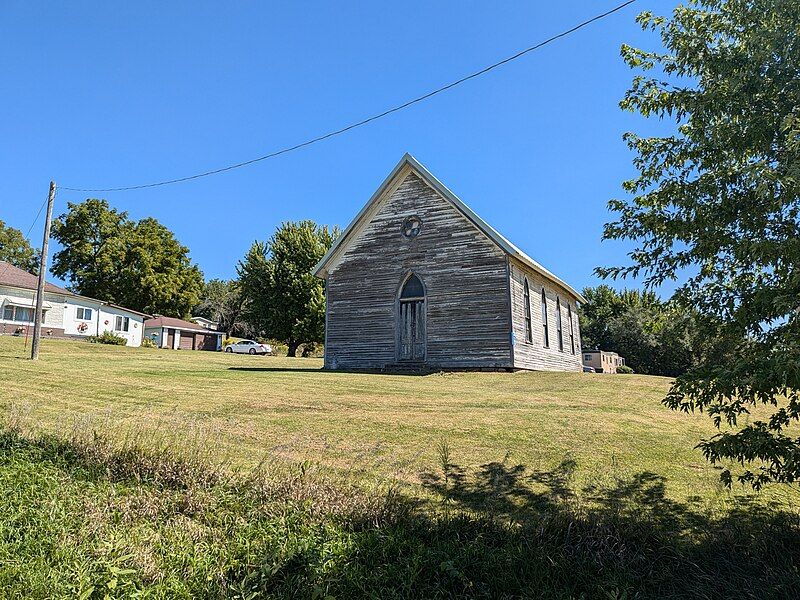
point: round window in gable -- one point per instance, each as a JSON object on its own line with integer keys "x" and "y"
{"x": 411, "y": 226}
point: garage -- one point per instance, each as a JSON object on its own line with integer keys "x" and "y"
{"x": 206, "y": 341}
{"x": 187, "y": 341}
{"x": 177, "y": 334}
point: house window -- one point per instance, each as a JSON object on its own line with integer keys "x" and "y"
{"x": 527, "y": 300}
{"x": 559, "y": 331}
{"x": 121, "y": 323}
{"x": 571, "y": 329}
{"x": 544, "y": 321}
{"x": 587, "y": 357}
{"x": 84, "y": 314}
{"x": 20, "y": 314}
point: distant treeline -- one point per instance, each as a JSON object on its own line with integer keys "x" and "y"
{"x": 653, "y": 336}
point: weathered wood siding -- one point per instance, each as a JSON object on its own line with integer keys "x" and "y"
{"x": 534, "y": 355}
{"x": 464, "y": 273}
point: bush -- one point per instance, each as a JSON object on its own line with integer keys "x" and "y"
{"x": 107, "y": 337}
{"x": 148, "y": 343}
{"x": 278, "y": 347}
{"x": 624, "y": 370}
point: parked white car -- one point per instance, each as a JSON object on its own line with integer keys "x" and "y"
{"x": 249, "y": 347}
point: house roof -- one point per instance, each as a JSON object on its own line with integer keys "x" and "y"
{"x": 204, "y": 320}
{"x": 408, "y": 161}
{"x": 125, "y": 308}
{"x": 12, "y": 276}
{"x": 177, "y": 324}
{"x": 19, "y": 278}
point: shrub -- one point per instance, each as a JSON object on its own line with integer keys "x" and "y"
{"x": 624, "y": 370}
{"x": 107, "y": 337}
{"x": 278, "y": 347}
{"x": 148, "y": 343}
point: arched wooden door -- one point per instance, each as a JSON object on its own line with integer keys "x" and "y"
{"x": 411, "y": 321}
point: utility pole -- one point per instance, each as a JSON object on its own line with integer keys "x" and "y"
{"x": 37, "y": 324}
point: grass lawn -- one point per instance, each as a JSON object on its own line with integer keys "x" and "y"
{"x": 527, "y": 484}
{"x": 377, "y": 425}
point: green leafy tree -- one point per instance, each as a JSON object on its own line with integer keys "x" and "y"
{"x": 158, "y": 275}
{"x": 92, "y": 238}
{"x": 140, "y": 265}
{"x": 602, "y": 304}
{"x": 222, "y": 301}
{"x": 655, "y": 337}
{"x": 715, "y": 205}
{"x": 283, "y": 298}
{"x": 15, "y": 249}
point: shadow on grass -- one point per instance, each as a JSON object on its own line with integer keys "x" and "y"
{"x": 626, "y": 537}
{"x": 502, "y": 531}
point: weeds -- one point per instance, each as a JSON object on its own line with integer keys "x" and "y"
{"x": 85, "y": 517}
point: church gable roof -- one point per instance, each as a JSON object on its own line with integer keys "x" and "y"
{"x": 407, "y": 163}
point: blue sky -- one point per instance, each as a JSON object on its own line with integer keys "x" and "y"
{"x": 109, "y": 94}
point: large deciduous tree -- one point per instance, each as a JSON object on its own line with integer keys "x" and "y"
{"x": 283, "y": 298}
{"x": 108, "y": 256}
{"x": 15, "y": 249}
{"x": 222, "y": 301}
{"x": 716, "y": 206}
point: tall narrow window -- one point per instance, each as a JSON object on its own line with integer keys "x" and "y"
{"x": 527, "y": 300}
{"x": 571, "y": 329}
{"x": 559, "y": 330}
{"x": 544, "y": 321}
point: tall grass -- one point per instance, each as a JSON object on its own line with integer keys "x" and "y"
{"x": 90, "y": 513}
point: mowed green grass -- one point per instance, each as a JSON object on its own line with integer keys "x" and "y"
{"x": 376, "y": 426}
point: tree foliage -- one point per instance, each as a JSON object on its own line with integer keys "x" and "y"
{"x": 140, "y": 265}
{"x": 655, "y": 337}
{"x": 283, "y": 298}
{"x": 716, "y": 205}
{"x": 222, "y": 301}
{"x": 15, "y": 249}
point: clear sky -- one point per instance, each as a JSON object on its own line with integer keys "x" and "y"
{"x": 104, "y": 94}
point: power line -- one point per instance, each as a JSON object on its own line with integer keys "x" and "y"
{"x": 28, "y": 233}
{"x": 36, "y": 218}
{"x": 364, "y": 121}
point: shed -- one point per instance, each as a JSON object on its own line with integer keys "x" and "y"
{"x": 177, "y": 334}
{"x": 419, "y": 281}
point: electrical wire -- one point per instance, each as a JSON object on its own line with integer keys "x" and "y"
{"x": 28, "y": 233}
{"x": 363, "y": 121}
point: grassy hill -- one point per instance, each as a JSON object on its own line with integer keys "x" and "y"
{"x": 218, "y": 475}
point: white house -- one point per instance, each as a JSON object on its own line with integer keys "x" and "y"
{"x": 66, "y": 315}
{"x": 205, "y": 323}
